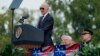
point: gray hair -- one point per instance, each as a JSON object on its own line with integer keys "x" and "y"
{"x": 46, "y": 4}
{"x": 66, "y": 37}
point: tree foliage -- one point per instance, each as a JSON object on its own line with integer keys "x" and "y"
{"x": 78, "y": 14}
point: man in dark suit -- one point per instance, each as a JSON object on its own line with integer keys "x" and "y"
{"x": 46, "y": 24}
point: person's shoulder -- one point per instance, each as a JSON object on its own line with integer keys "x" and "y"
{"x": 50, "y": 15}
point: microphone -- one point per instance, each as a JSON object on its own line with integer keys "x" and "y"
{"x": 23, "y": 17}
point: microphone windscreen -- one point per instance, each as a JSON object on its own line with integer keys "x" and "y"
{"x": 25, "y": 16}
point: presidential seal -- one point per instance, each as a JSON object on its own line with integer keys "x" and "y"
{"x": 18, "y": 32}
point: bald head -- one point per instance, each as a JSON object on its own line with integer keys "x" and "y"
{"x": 44, "y": 8}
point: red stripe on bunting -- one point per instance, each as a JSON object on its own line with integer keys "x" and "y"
{"x": 47, "y": 50}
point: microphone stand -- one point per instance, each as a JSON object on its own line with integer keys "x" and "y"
{"x": 12, "y": 20}
{"x": 21, "y": 21}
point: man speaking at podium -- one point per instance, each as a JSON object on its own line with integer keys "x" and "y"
{"x": 46, "y": 24}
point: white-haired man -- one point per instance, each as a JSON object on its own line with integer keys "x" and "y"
{"x": 71, "y": 46}
{"x": 46, "y": 24}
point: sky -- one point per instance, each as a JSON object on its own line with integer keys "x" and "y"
{"x": 30, "y": 4}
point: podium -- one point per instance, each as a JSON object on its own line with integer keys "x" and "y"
{"x": 28, "y": 37}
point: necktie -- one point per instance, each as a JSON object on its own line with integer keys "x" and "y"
{"x": 42, "y": 18}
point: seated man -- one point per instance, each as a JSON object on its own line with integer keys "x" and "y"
{"x": 71, "y": 46}
{"x": 86, "y": 43}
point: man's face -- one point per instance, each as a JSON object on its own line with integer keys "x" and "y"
{"x": 66, "y": 41}
{"x": 44, "y": 9}
{"x": 86, "y": 36}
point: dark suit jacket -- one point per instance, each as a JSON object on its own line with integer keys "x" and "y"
{"x": 47, "y": 26}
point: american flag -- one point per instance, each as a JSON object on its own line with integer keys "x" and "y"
{"x": 36, "y": 51}
{"x": 59, "y": 50}
{"x": 47, "y": 51}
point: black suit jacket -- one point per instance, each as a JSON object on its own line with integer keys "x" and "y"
{"x": 47, "y": 26}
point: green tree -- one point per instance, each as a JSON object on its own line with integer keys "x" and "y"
{"x": 78, "y": 14}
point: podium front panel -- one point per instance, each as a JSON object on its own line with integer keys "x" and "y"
{"x": 27, "y": 34}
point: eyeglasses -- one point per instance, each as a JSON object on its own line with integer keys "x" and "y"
{"x": 41, "y": 8}
{"x": 84, "y": 33}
